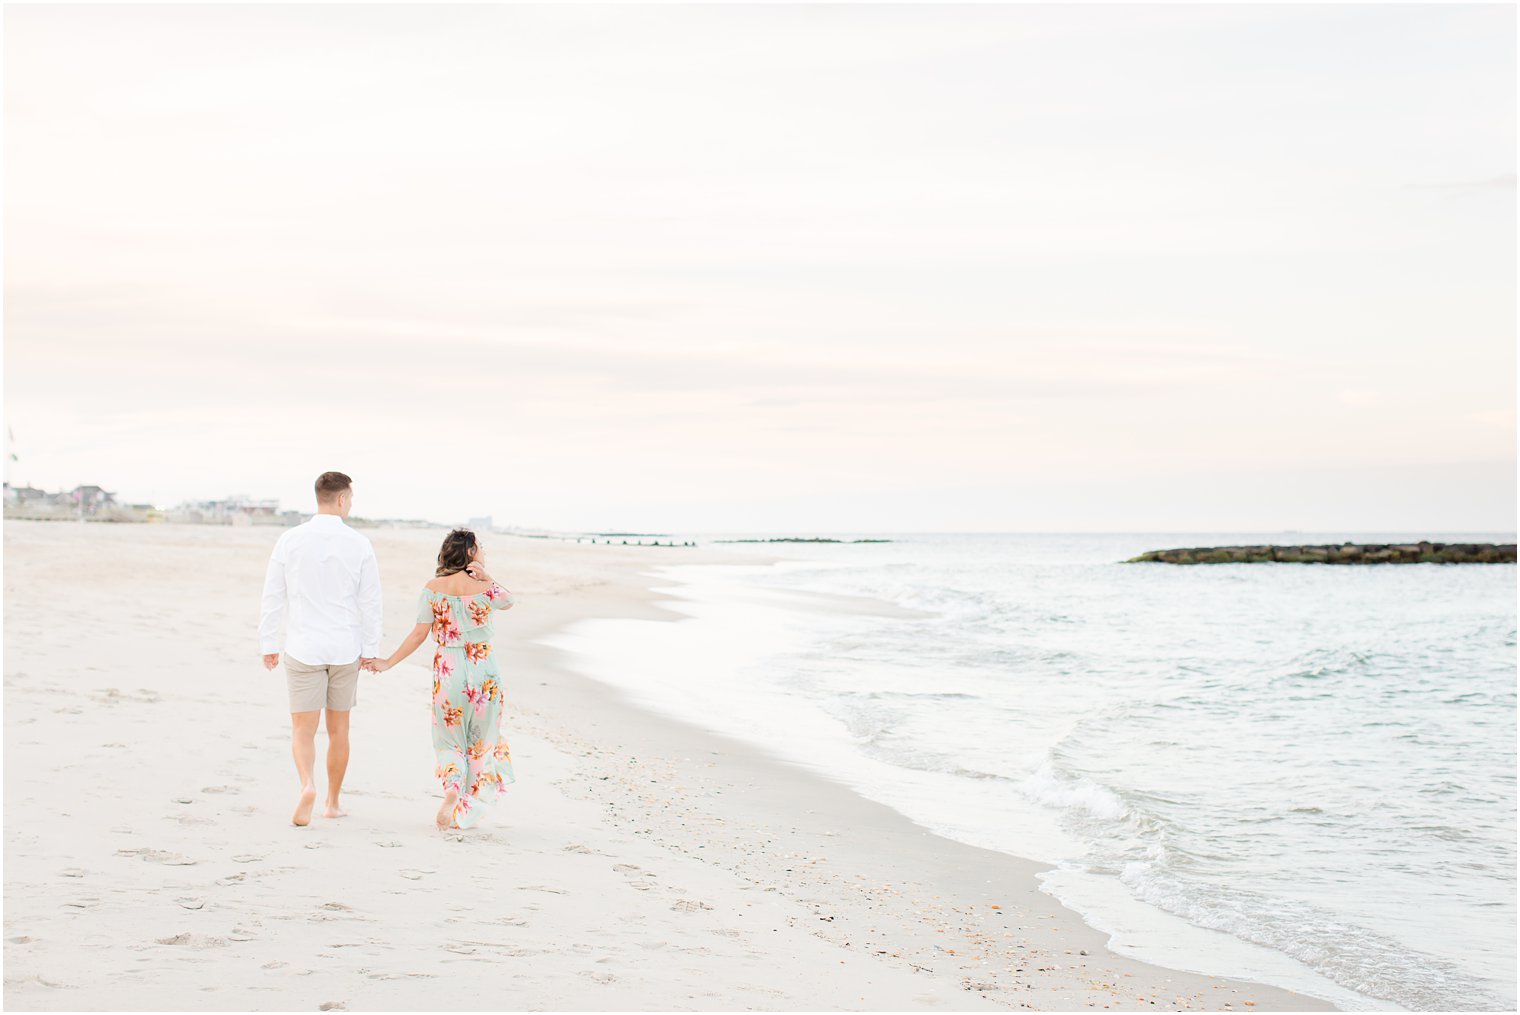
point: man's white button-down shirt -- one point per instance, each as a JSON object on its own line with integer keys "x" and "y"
{"x": 325, "y": 575}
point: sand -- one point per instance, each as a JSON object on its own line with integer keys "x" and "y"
{"x": 637, "y": 863}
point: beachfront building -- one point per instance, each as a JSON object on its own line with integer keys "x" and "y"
{"x": 91, "y": 500}
{"x": 25, "y": 496}
{"x": 238, "y": 509}
{"x": 87, "y": 502}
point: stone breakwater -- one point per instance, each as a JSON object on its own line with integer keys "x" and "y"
{"x": 1345, "y": 553}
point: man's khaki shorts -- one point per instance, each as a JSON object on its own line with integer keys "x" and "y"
{"x": 313, "y": 688}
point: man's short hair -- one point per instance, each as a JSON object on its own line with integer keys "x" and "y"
{"x": 330, "y": 484}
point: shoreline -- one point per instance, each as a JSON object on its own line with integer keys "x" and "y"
{"x": 1129, "y": 927}
{"x": 639, "y": 862}
{"x": 987, "y": 886}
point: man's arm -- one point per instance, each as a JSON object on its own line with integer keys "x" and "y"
{"x": 370, "y": 605}
{"x": 273, "y": 611}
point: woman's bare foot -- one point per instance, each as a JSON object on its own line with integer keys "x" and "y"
{"x": 446, "y": 812}
{"x": 334, "y": 810}
{"x": 302, "y": 816}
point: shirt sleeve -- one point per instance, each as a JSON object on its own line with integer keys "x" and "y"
{"x": 424, "y": 608}
{"x": 371, "y": 608}
{"x": 272, "y": 613}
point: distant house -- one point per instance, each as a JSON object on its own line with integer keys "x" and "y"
{"x": 90, "y": 500}
{"x": 482, "y": 524}
{"x": 234, "y": 510}
{"x": 25, "y": 495}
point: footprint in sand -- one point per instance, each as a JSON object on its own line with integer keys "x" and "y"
{"x": 191, "y": 903}
{"x": 21, "y": 981}
{"x": 390, "y": 845}
{"x": 689, "y": 905}
{"x": 337, "y": 906}
{"x": 71, "y": 872}
{"x": 246, "y": 858}
{"x": 111, "y": 696}
{"x": 193, "y": 941}
{"x": 636, "y": 877}
{"x": 333, "y": 1006}
{"x": 157, "y": 856}
{"x": 416, "y": 875}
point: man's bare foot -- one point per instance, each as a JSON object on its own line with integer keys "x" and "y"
{"x": 333, "y": 810}
{"x": 302, "y": 816}
{"x": 446, "y": 812}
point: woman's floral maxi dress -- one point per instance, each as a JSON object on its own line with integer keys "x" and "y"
{"x": 473, "y": 759}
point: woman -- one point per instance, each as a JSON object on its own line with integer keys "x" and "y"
{"x": 474, "y": 764}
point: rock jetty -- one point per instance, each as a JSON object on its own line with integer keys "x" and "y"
{"x": 800, "y": 539}
{"x": 1345, "y": 553}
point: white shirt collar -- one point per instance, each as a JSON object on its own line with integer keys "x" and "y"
{"x": 319, "y": 517}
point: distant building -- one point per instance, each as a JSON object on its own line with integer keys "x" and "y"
{"x": 479, "y": 524}
{"x": 91, "y": 500}
{"x": 25, "y": 495}
{"x": 235, "y": 510}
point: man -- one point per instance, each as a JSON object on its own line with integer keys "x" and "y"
{"x": 326, "y": 574}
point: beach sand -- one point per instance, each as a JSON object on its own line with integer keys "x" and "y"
{"x": 637, "y": 863}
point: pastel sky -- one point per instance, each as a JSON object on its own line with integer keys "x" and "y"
{"x": 771, "y": 268}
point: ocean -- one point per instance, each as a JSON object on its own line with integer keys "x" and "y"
{"x": 1300, "y": 774}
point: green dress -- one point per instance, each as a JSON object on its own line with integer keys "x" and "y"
{"x": 473, "y": 759}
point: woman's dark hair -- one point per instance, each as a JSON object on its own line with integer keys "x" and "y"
{"x": 454, "y": 554}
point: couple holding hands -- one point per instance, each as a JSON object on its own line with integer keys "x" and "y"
{"x": 324, "y": 581}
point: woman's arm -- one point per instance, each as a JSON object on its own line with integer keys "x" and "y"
{"x": 417, "y": 637}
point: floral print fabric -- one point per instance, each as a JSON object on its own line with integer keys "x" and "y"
{"x": 472, "y": 755}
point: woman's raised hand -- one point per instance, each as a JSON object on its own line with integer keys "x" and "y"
{"x": 475, "y": 569}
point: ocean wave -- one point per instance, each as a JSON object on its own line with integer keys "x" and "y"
{"x": 1064, "y": 791}
{"x": 1353, "y": 956}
